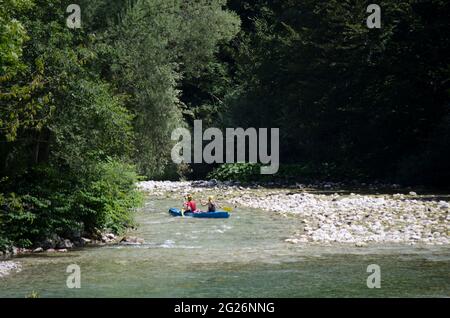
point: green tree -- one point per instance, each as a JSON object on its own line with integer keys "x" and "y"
{"x": 65, "y": 133}
{"x": 158, "y": 44}
{"x": 364, "y": 100}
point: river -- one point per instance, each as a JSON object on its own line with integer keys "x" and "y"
{"x": 243, "y": 256}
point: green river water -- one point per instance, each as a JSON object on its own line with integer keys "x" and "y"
{"x": 243, "y": 256}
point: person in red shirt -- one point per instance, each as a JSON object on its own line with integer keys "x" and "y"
{"x": 190, "y": 204}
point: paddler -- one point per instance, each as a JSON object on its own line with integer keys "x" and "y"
{"x": 212, "y": 205}
{"x": 190, "y": 205}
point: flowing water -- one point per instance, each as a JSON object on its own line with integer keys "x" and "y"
{"x": 243, "y": 256}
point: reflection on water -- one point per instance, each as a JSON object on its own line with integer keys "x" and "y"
{"x": 243, "y": 256}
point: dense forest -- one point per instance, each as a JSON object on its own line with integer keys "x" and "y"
{"x": 87, "y": 112}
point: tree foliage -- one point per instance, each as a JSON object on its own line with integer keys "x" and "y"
{"x": 370, "y": 101}
{"x": 158, "y": 44}
{"x": 64, "y": 132}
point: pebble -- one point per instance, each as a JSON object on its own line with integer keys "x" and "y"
{"x": 444, "y": 205}
{"x": 332, "y": 218}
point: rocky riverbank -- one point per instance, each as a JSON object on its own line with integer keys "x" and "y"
{"x": 56, "y": 244}
{"x": 332, "y": 217}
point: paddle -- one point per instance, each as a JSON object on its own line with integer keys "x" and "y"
{"x": 227, "y": 208}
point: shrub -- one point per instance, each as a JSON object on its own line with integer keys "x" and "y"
{"x": 107, "y": 202}
{"x": 247, "y": 172}
{"x": 243, "y": 172}
{"x": 67, "y": 205}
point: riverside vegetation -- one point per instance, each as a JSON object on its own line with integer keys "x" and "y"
{"x": 85, "y": 111}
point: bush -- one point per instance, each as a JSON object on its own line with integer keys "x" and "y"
{"x": 107, "y": 202}
{"x": 247, "y": 172}
{"x": 68, "y": 205}
{"x": 243, "y": 172}
{"x": 17, "y": 224}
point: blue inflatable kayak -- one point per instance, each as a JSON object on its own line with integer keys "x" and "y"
{"x": 209, "y": 215}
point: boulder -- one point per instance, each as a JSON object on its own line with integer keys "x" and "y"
{"x": 38, "y": 250}
{"x": 79, "y": 242}
{"x": 110, "y": 236}
{"x": 131, "y": 240}
{"x": 444, "y": 205}
{"x": 85, "y": 240}
{"x": 64, "y": 244}
{"x": 50, "y": 242}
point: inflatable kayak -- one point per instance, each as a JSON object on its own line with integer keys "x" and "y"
{"x": 209, "y": 215}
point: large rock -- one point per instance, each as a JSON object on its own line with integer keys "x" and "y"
{"x": 48, "y": 244}
{"x": 38, "y": 250}
{"x": 108, "y": 238}
{"x": 81, "y": 242}
{"x": 444, "y": 205}
{"x": 85, "y": 240}
{"x": 51, "y": 242}
{"x": 64, "y": 244}
{"x": 131, "y": 240}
